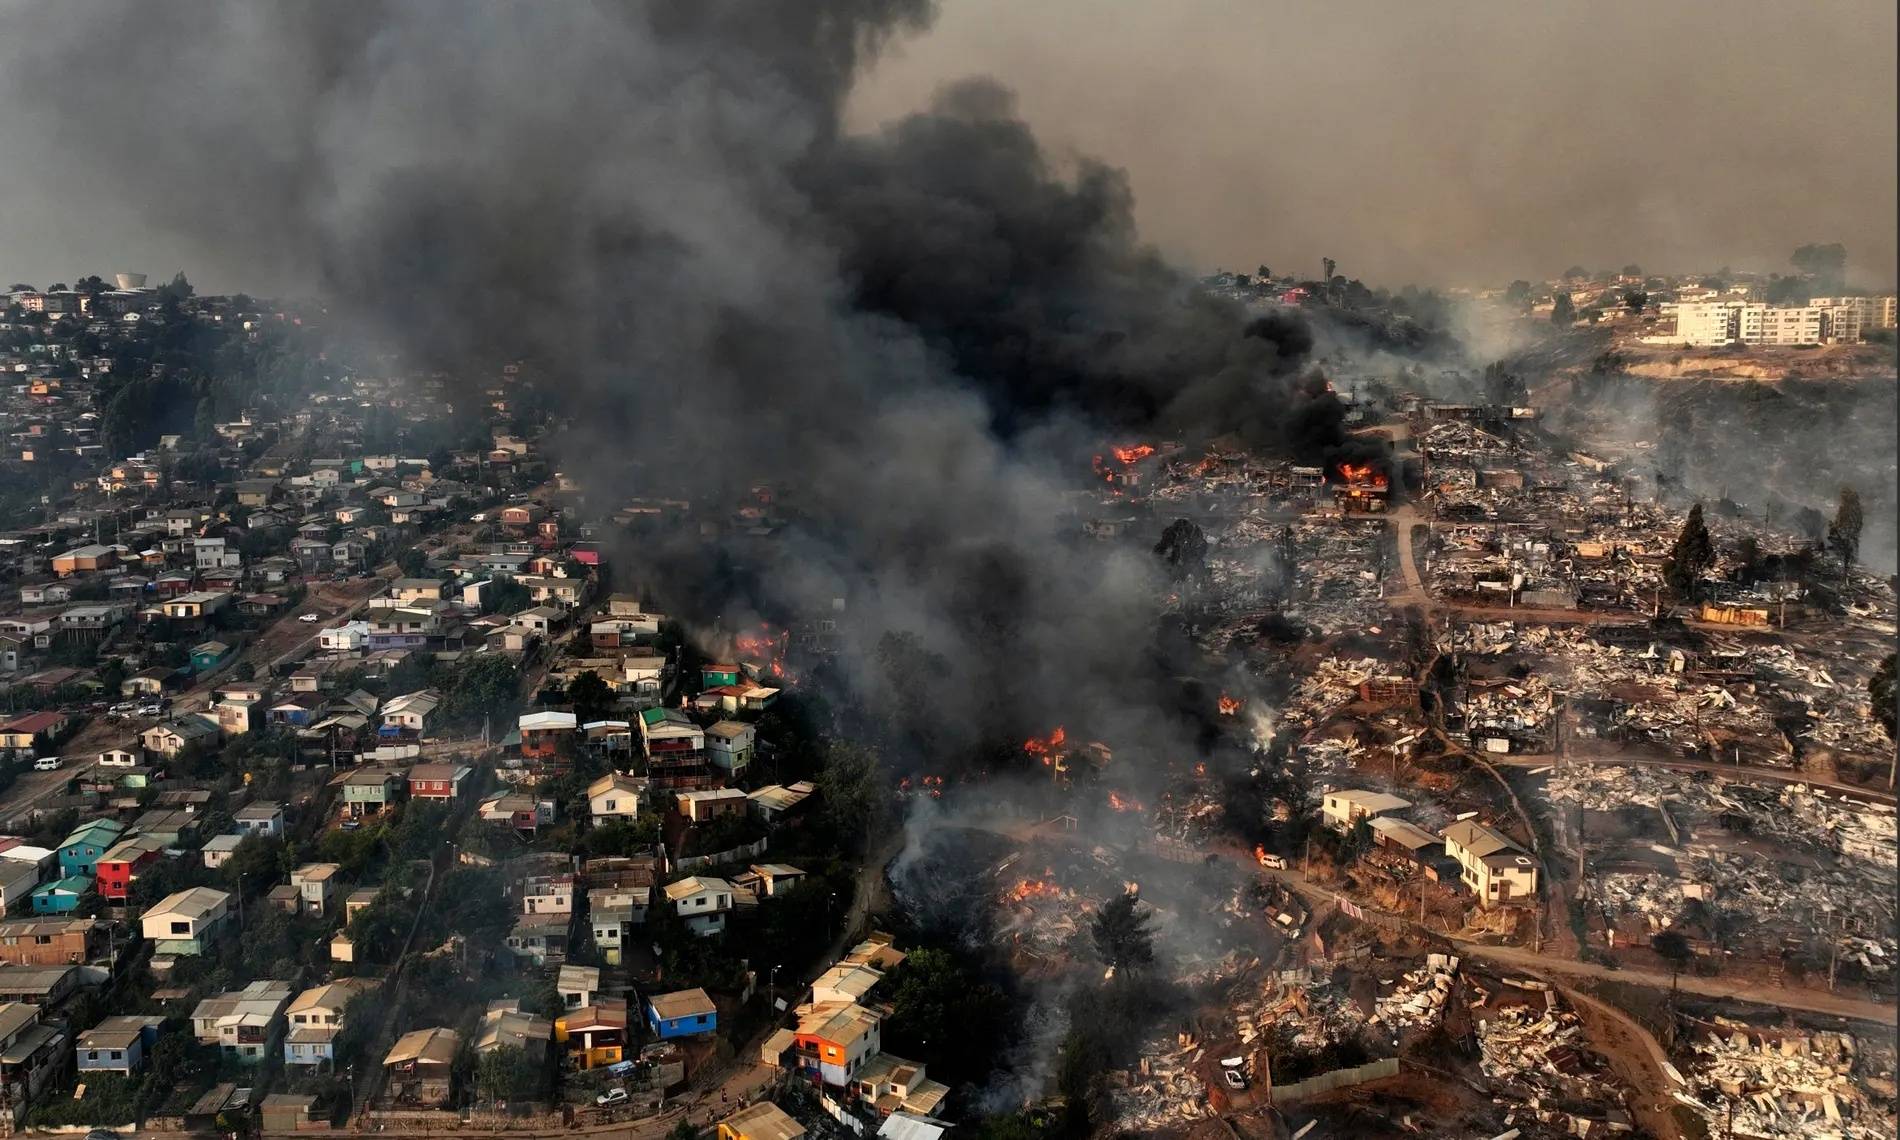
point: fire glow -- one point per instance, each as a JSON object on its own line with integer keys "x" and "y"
{"x": 1119, "y": 802}
{"x": 1230, "y": 706}
{"x": 1046, "y": 747}
{"x": 1260, "y": 854}
{"x": 1361, "y": 475}
{"x": 1029, "y": 889}
{"x": 764, "y": 644}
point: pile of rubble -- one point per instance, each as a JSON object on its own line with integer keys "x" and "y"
{"x": 1325, "y": 689}
{"x": 1418, "y": 998}
{"x": 1163, "y": 1092}
{"x": 1837, "y": 878}
{"x": 1045, "y": 917}
{"x": 1305, "y": 1014}
{"x": 1545, "y": 1076}
{"x": 1792, "y": 1086}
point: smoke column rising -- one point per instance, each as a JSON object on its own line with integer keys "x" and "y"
{"x": 655, "y": 204}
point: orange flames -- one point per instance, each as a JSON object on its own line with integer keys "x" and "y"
{"x": 1046, "y": 747}
{"x": 1027, "y": 889}
{"x": 1361, "y": 475}
{"x": 1131, "y": 455}
{"x": 1260, "y": 854}
{"x": 1200, "y": 769}
{"x": 1229, "y": 706}
{"x": 1119, "y": 802}
{"x": 764, "y": 644}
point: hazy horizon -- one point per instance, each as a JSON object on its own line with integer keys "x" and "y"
{"x": 1458, "y": 143}
{"x": 1455, "y": 144}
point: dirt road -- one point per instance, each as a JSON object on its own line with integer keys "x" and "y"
{"x": 1730, "y": 771}
{"x": 1635, "y": 1056}
{"x": 1796, "y": 998}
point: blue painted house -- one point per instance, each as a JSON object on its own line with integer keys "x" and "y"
{"x": 61, "y": 896}
{"x": 79, "y": 852}
{"x": 713, "y": 676}
{"x": 118, "y": 1044}
{"x": 206, "y": 655}
{"x": 682, "y": 1013}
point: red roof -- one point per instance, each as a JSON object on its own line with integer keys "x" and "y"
{"x": 34, "y": 722}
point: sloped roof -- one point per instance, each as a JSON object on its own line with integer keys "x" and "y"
{"x": 432, "y": 1046}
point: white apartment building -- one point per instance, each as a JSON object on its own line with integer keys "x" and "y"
{"x": 1714, "y": 323}
{"x": 1850, "y": 319}
{"x": 1778, "y": 324}
{"x": 1708, "y": 323}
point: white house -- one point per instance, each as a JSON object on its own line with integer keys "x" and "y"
{"x": 702, "y": 901}
{"x": 1496, "y": 869}
{"x": 349, "y": 637}
{"x": 262, "y": 820}
{"x": 729, "y": 745}
{"x": 412, "y": 712}
{"x": 1344, "y": 807}
{"x": 615, "y": 796}
{"x": 184, "y": 923}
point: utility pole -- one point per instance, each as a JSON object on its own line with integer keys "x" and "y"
{"x": 1833, "y": 949}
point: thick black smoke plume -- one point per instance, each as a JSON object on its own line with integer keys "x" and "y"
{"x": 913, "y": 334}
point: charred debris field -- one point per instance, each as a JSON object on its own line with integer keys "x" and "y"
{"x": 697, "y": 569}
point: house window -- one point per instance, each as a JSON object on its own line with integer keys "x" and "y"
{"x": 118, "y": 1055}
{"x": 92, "y": 1054}
{"x": 181, "y": 928}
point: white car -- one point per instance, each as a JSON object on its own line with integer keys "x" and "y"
{"x": 309, "y": 617}
{"x": 47, "y": 764}
{"x": 610, "y": 1097}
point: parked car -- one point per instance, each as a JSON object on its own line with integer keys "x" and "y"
{"x": 309, "y": 617}
{"x": 611, "y": 1097}
{"x": 47, "y": 764}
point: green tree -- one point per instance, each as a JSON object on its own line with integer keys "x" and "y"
{"x": 1518, "y": 293}
{"x": 1691, "y": 556}
{"x": 1122, "y": 935}
{"x": 1576, "y": 273}
{"x": 1635, "y": 299}
{"x": 413, "y": 562}
{"x": 1843, "y": 534}
{"x": 591, "y": 697}
{"x": 1827, "y": 264}
{"x": 504, "y": 1074}
{"x": 1632, "y": 270}
{"x": 1563, "y": 311}
{"x": 945, "y": 1016}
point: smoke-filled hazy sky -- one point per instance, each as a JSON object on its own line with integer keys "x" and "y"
{"x": 1455, "y": 142}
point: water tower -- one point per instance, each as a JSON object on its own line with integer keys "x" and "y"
{"x": 129, "y": 280}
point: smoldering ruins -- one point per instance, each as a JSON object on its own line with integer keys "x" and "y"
{"x": 1309, "y": 724}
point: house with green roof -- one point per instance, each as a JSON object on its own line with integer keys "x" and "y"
{"x": 79, "y": 852}
{"x": 61, "y": 896}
